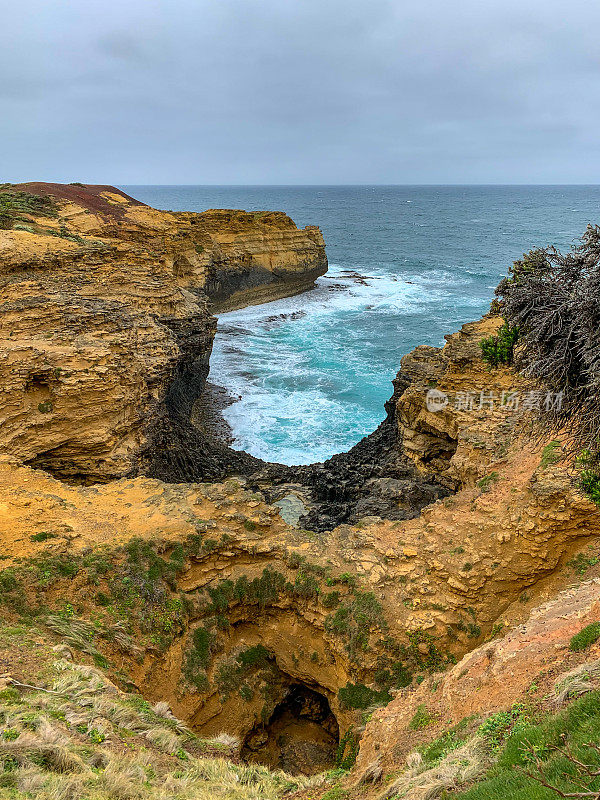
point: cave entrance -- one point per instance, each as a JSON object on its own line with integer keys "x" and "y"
{"x": 301, "y": 736}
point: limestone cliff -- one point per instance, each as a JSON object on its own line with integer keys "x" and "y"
{"x": 105, "y": 323}
{"x": 421, "y": 546}
{"x": 247, "y": 624}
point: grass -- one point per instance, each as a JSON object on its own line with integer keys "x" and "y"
{"x": 575, "y": 726}
{"x": 89, "y": 740}
{"x": 450, "y": 740}
{"x": 586, "y": 637}
{"x": 551, "y": 454}
{"x": 486, "y": 483}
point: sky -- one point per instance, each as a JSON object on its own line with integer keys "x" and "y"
{"x": 300, "y": 91}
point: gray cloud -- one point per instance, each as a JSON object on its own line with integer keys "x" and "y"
{"x": 300, "y": 91}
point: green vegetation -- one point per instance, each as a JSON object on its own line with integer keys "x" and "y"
{"x": 337, "y": 792}
{"x": 586, "y": 637}
{"x": 582, "y": 562}
{"x": 331, "y": 599}
{"x": 486, "y": 483}
{"x": 357, "y": 695}
{"x": 347, "y": 750}
{"x": 233, "y": 674}
{"x": 498, "y": 727}
{"x": 43, "y": 536}
{"x": 450, "y": 740}
{"x": 354, "y": 621}
{"x": 198, "y": 658}
{"x": 136, "y": 604}
{"x": 519, "y": 740}
{"x": 16, "y": 206}
{"x": 550, "y": 454}
{"x": 499, "y": 349}
{"x": 589, "y": 476}
{"x": 421, "y": 719}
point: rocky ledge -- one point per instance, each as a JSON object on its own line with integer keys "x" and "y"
{"x": 105, "y": 322}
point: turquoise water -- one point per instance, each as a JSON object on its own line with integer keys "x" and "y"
{"x": 407, "y": 265}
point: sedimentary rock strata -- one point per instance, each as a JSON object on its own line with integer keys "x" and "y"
{"x": 105, "y": 323}
{"x": 280, "y": 603}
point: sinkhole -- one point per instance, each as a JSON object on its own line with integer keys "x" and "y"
{"x": 300, "y": 737}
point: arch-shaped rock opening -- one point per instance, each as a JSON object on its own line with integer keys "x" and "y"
{"x": 300, "y": 737}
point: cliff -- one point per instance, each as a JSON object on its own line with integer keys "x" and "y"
{"x": 247, "y": 624}
{"x": 427, "y": 574}
{"x": 105, "y": 324}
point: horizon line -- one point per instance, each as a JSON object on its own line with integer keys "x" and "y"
{"x": 346, "y": 185}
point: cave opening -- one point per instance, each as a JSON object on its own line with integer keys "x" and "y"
{"x": 300, "y": 737}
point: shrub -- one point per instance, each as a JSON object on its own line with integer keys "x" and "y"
{"x": 18, "y": 206}
{"x": 586, "y": 637}
{"x": 42, "y": 536}
{"x": 355, "y": 620}
{"x": 499, "y": 349}
{"x": 331, "y": 599}
{"x": 305, "y": 585}
{"x": 198, "y": 658}
{"x": 589, "y": 477}
{"x": 552, "y": 298}
{"x": 582, "y": 562}
{"x": 255, "y": 656}
{"x": 357, "y": 695}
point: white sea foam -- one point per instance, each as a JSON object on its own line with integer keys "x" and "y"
{"x": 303, "y": 367}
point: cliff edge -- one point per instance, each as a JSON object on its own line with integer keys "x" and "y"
{"x": 105, "y": 323}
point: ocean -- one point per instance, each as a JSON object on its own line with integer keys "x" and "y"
{"x": 407, "y": 264}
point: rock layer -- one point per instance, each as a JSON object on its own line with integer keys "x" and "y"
{"x": 203, "y": 595}
{"x": 105, "y": 323}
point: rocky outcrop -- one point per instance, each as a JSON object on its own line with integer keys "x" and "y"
{"x": 258, "y": 257}
{"x": 105, "y": 323}
{"x": 265, "y": 628}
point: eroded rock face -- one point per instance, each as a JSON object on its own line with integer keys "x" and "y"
{"x": 206, "y": 597}
{"x": 300, "y": 737}
{"x": 105, "y": 323}
{"x": 524, "y": 663}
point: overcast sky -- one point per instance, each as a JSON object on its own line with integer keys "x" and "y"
{"x": 300, "y": 91}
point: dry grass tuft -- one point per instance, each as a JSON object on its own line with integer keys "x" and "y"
{"x": 226, "y": 740}
{"x": 373, "y": 772}
{"x": 93, "y": 742}
{"x": 421, "y": 782}
{"x": 576, "y": 682}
